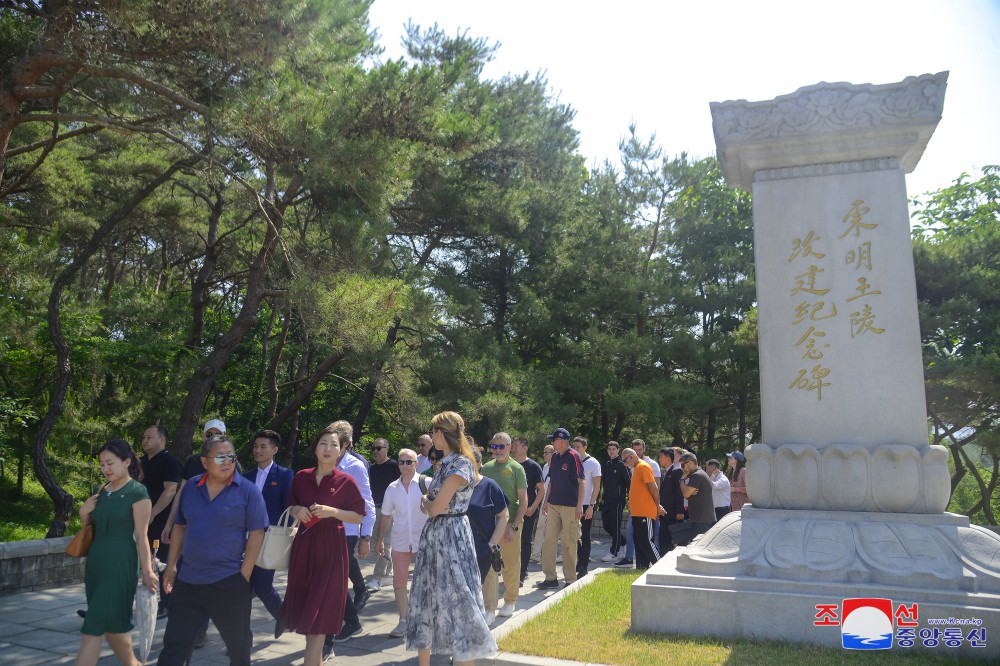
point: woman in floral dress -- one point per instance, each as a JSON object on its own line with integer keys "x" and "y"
{"x": 445, "y": 612}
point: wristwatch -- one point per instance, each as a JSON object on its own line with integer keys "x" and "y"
{"x": 517, "y": 527}
{"x": 366, "y": 538}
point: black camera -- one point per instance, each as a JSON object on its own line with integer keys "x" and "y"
{"x": 495, "y": 560}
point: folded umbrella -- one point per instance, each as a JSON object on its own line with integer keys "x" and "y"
{"x": 144, "y": 619}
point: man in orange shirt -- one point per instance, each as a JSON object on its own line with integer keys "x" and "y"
{"x": 644, "y": 507}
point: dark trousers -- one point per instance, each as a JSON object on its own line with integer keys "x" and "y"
{"x": 226, "y": 602}
{"x": 644, "y": 533}
{"x": 350, "y": 611}
{"x": 720, "y": 511}
{"x": 485, "y": 564}
{"x": 665, "y": 542}
{"x": 263, "y": 588}
{"x": 583, "y": 545}
{"x": 611, "y": 518}
{"x": 527, "y": 532}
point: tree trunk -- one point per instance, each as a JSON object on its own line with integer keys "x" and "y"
{"x": 305, "y": 388}
{"x": 63, "y": 501}
{"x": 201, "y": 284}
{"x": 374, "y": 378}
{"x": 205, "y": 376}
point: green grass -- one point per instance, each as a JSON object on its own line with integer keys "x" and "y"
{"x": 601, "y": 612}
{"x": 29, "y": 516}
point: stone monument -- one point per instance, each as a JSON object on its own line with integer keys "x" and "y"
{"x": 846, "y": 534}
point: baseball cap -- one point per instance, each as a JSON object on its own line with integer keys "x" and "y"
{"x": 214, "y": 423}
{"x": 738, "y": 455}
{"x": 559, "y": 433}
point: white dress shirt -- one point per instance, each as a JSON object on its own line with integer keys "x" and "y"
{"x": 403, "y": 504}
{"x": 720, "y": 490}
{"x": 423, "y": 463}
{"x": 262, "y": 476}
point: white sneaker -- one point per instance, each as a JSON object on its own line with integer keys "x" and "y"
{"x": 507, "y": 610}
{"x": 400, "y": 629}
{"x": 610, "y": 557}
{"x": 491, "y": 619}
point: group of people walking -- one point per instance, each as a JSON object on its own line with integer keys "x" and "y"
{"x": 460, "y": 524}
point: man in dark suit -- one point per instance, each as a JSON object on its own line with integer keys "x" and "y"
{"x": 275, "y": 484}
{"x": 671, "y": 498}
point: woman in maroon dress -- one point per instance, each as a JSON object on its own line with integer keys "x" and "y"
{"x": 323, "y": 498}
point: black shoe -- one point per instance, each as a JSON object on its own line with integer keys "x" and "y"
{"x": 82, "y": 613}
{"x": 279, "y": 628}
{"x": 161, "y": 612}
{"x": 547, "y": 584}
{"x": 327, "y": 651}
{"x": 200, "y": 639}
{"x": 349, "y": 631}
{"x": 361, "y": 598}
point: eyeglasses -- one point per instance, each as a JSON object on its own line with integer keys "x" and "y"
{"x": 407, "y": 462}
{"x": 498, "y": 447}
{"x": 224, "y": 458}
{"x": 379, "y": 448}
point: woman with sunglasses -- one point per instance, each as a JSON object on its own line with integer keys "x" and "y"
{"x": 402, "y": 515}
{"x": 119, "y": 512}
{"x": 323, "y": 498}
{"x": 445, "y": 612}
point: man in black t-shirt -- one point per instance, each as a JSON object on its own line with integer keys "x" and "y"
{"x": 161, "y": 474}
{"x": 697, "y": 490}
{"x": 536, "y": 493}
{"x": 383, "y": 471}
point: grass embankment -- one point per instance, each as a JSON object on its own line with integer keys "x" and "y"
{"x": 29, "y": 516}
{"x": 592, "y": 625}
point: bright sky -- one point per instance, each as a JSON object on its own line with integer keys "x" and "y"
{"x": 659, "y": 63}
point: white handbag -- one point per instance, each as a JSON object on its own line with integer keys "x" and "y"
{"x": 276, "y": 551}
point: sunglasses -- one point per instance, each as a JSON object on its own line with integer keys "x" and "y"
{"x": 224, "y": 458}
{"x": 407, "y": 462}
{"x": 379, "y": 448}
{"x": 498, "y": 447}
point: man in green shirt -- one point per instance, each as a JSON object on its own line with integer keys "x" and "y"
{"x": 509, "y": 475}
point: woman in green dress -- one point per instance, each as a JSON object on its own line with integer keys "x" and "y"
{"x": 120, "y": 513}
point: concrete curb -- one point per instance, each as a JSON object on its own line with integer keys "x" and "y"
{"x": 519, "y": 619}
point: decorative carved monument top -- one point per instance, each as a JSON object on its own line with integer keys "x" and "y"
{"x": 894, "y": 120}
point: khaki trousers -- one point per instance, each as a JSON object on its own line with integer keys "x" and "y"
{"x": 562, "y": 522}
{"x": 510, "y": 551}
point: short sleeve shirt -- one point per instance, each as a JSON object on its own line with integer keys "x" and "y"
{"x": 533, "y": 475}
{"x": 511, "y": 478}
{"x": 591, "y": 471}
{"x": 565, "y": 472}
{"x": 403, "y": 504}
{"x": 161, "y": 468}
{"x": 641, "y": 504}
{"x": 701, "y": 508}
{"x": 216, "y": 529}
{"x": 487, "y": 501}
{"x": 381, "y": 475}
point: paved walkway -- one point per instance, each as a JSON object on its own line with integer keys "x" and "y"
{"x": 41, "y": 628}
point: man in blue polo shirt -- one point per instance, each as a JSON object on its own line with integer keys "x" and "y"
{"x": 219, "y": 528}
{"x": 564, "y": 507}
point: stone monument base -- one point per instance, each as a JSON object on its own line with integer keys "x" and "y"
{"x": 762, "y": 573}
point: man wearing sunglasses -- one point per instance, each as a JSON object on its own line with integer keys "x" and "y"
{"x": 382, "y": 472}
{"x": 510, "y": 476}
{"x": 219, "y": 527}
{"x": 401, "y": 512}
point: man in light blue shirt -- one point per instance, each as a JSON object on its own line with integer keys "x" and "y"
{"x": 357, "y": 535}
